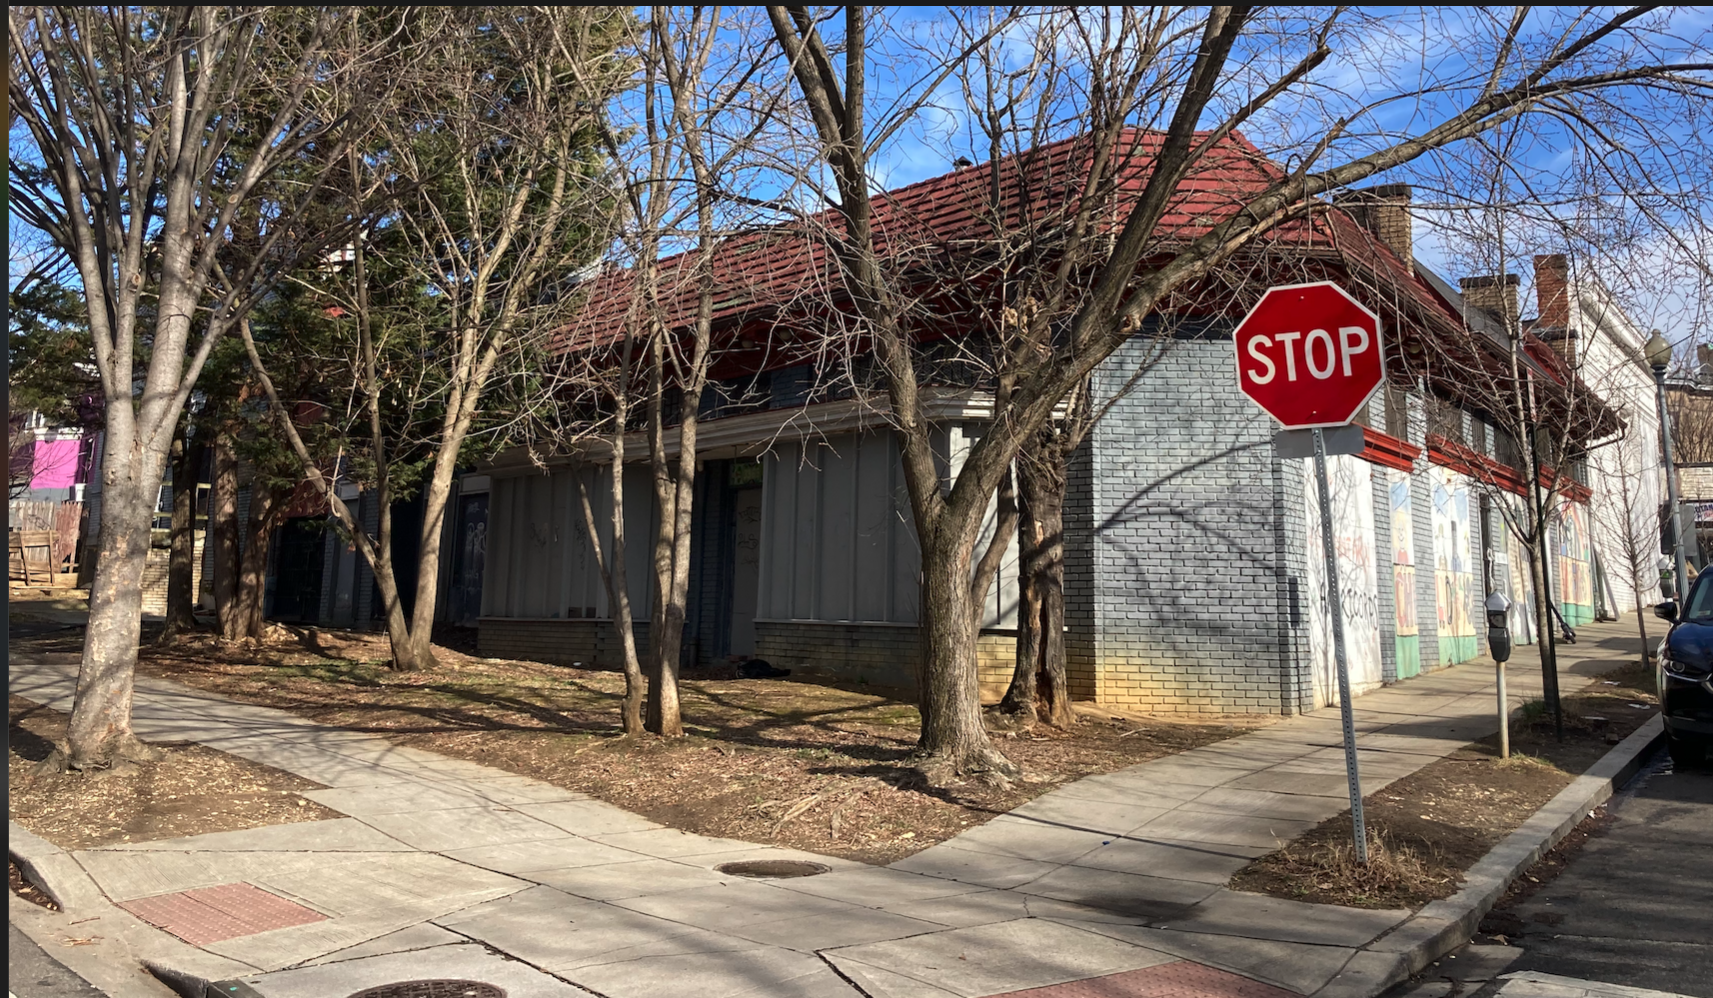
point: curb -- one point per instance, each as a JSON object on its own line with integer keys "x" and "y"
{"x": 53, "y": 870}
{"x": 1442, "y": 926}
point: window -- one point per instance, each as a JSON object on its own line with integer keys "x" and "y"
{"x": 1445, "y": 419}
{"x": 1478, "y": 434}
{"x": 1397, "y": 402}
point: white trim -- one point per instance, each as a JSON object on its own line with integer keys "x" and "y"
{"x": 755, "y": 433}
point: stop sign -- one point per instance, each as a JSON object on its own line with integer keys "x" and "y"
{"x": 1309, "y": 354}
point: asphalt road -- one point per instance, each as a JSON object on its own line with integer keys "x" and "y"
{"x": 1635, "y": 906}
{"x": 32, "y": 973}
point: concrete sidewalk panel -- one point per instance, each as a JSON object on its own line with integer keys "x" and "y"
{"x": 1281, "y": 780}
{"x": 878, "y": 983}
{"x": 1218, "y": 828}
{"x": 670, "y": 843}
{"x": 562, "y": 853}
{"x": 425, "y": 935}
{"x": 461, "y": 962}
{"x": 1005, "y": 956}
{"x": 852, "y": 927}
{"x": 1032, "y": 839}
{"x": 877, "y": 887}
{"x": 1141, "y": 896}
{"x": 949, "y": 862}
{"x": 753, "y": 973}
{"x": 1299, "y": 967}
{"x": 331, "y": 835}
{"x": 464, "y": 827}
{"x": 1258, "y": 916}
{"x": 614, "y": 881}
{"x": 1200, "y": 862}
{"x": 564, "y": 934}
{"x": 1262, "y": 804}
{"x": 410, "y": 797}
{"x": 587, "y": 817}
{"x": 737, "y": 902}
{"x": 965, "y": 910}
{"x": 1089, "y": 815}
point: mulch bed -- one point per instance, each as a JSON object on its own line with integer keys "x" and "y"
{"x": 798, "y": 762}
{"x": 1427, "y": 828}
{"x": 189, "y": 791}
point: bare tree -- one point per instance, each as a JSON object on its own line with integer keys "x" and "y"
{"x": 150, "y": 129}
{"x": 1192, "y": 77}
{"x": 479, "y": 212}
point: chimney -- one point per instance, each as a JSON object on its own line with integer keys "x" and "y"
{"x": 1384, "y": 211}
{"x": 1552, "y": 290}
{"x": 1497, "y": 296}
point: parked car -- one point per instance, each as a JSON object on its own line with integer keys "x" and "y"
{"x": 1685, "y": 674}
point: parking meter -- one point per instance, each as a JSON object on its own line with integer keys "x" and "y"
{"x": 1499, "y": 626}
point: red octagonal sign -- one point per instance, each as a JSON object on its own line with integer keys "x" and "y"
{"x": 1309, "y": 354}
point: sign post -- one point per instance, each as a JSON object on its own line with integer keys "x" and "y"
{"x": 1321, "y": 383}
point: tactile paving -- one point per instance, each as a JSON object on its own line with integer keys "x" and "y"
{"x": 1181, "y": 979}
{"x": 210, "y": 914}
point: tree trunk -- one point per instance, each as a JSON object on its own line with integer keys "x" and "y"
{"x": 223, "y": 521}
{"x": 435, "y": 501}
{"x": 181, "y": 566}
{"x": 1040, "y": 689}
{"x": 953, "y": 740}
{"x": 99, "y": 732}
{"x": 666, "y": 630}
{"x": 1019, "y": 700}
{"x": 251, "y": 598}
{"x": 1052, "y": 686}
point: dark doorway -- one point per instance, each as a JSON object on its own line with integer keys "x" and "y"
{"x": 468, "y": 559}
{"x": 297, "y": 573}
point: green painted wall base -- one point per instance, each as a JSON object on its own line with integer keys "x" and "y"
{"x": 1576, "y": 613}
{"x": 1455, "y": 650}
{"x": 1409, "y": 655}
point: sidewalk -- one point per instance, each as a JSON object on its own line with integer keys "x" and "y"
{"x": 444, "y": 869}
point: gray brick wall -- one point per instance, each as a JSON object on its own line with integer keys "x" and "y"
{"x": 590, "y": 644}
{"x": 1421, "y": 510}
{"x": 1197, "y": 539}
{"x": 886, "y": 655}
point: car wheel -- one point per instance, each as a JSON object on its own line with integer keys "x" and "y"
{"x": 1686, "y": 753}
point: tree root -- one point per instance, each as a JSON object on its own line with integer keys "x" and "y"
{"x": 120, "y": 756}
{"x": 985, "y": 765}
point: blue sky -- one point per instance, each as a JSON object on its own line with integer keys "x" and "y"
{"x": 1392, "y": 71}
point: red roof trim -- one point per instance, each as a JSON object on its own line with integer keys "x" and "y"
{"x": 1388, "y": 451}
{"x": 1448, "y": 453}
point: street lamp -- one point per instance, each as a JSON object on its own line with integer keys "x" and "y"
{"x": 1659, "y": 358}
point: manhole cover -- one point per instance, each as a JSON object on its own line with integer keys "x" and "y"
{"x": 432, "y": 989}
{"x": 772, "y": 869}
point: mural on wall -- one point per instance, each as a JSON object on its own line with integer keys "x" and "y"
{"x": 1519, "y": 585}
{"x": 1453, "y": 570}
{"x": 1353, "y": 540}
{"x": 1404, "y": 627}
{"x": 1575, "y": 582}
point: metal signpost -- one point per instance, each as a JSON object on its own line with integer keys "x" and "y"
{"x": 1310, "y": 355}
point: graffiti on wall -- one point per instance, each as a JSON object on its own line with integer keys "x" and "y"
{"x": 1454, "y": 576}
{"x": 1353, "y": 541}
{"x": 1404, "y": 625}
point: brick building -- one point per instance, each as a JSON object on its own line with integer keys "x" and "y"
{"x": 1193, "y": 576}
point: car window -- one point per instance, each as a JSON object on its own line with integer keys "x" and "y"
{"x": 1701, "y": 599}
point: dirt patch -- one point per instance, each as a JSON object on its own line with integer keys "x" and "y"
{"x": 22, "y": 887}
{"x": 189, "y": 791}
{"x": 1427, "y": 828}
{"x": 803, "y": 763}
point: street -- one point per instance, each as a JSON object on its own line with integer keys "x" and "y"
{"x": 1635, "y": 906}
{"x": 32, "y": 973}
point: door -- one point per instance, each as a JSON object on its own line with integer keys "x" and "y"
{"x": 297, "y": 576}
{"x": 470, "y": 558}
{"x": 746, "y": 569}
